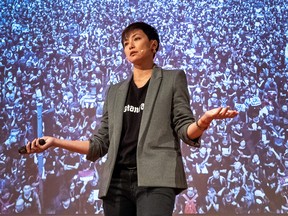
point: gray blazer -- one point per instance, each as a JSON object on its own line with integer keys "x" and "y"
{"x": 165, "y": 119}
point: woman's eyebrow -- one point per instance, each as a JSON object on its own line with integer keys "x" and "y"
{"x": 132, "y": 36}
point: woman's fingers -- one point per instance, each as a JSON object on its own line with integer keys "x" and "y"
{"x": 225, "y": 113}
{"x": 33, "y": 147}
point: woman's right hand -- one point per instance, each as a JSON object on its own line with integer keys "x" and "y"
{"x": 37, "y": 147}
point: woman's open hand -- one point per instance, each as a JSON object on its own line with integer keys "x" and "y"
{"x": 218, "y": 113}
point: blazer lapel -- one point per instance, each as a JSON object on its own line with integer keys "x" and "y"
{"x": 118, "y": 107}
{"x": 151, "y": 96}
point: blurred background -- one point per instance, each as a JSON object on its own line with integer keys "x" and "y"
{"x": 57, "y": 58}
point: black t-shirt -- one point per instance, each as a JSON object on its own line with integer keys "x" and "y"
{"x": 133, "y": 110}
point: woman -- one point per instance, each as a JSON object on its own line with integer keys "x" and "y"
{"x": 144, "y": 169}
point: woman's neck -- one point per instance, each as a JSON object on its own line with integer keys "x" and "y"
{"x": 140, "y": 68}
{"x": 141, "y": 78}
{"x": 142, "y": 75}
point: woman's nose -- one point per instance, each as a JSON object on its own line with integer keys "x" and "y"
{"x": 131, "y": 45}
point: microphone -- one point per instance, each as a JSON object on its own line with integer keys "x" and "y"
{"x": 22, "y": 150}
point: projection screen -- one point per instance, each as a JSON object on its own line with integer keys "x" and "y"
{"x": 58, "y": 58}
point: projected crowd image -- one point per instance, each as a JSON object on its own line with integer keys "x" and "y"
{"x": 58, "y": 58}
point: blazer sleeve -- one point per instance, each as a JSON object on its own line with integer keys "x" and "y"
{"x": 99, "y": 142}
{"x": 181, "y": 110}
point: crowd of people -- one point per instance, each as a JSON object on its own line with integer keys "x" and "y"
{"x": 57, "y": 59}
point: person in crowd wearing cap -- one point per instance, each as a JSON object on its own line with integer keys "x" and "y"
{"x": 31, "y": 200}
{"x": 212, "y": 201}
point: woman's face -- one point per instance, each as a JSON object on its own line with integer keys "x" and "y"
{"x": 137, "y": 47}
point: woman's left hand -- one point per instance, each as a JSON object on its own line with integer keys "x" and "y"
{"x": 219, "y": 113}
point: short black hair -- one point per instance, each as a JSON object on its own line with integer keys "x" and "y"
{"x": 149, "y": 30}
